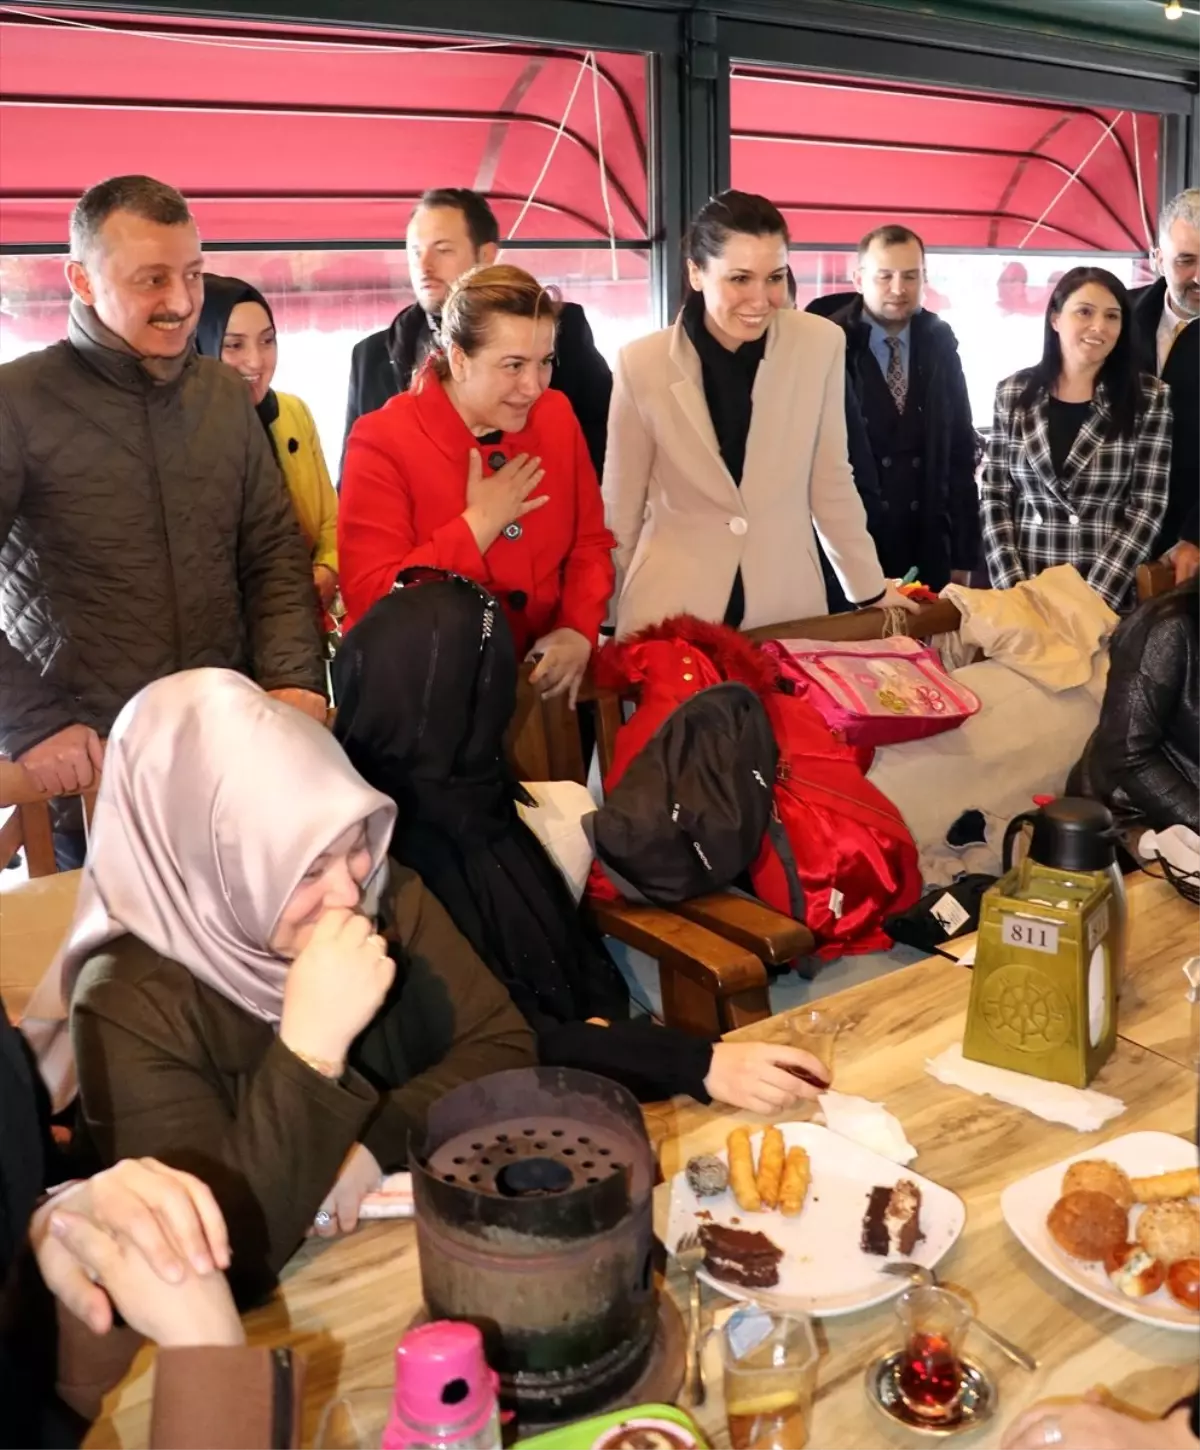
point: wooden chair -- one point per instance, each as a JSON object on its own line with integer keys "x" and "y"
{"x": 711, "y": 980}
{"x": 775, "y": 938}
{"x": 28, "y": 824}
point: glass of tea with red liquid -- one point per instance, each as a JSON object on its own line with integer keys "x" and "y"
{"x": 817, "y": 1033}
{"x": 930, "y": 1379}
{"x": 770, "y": 1377}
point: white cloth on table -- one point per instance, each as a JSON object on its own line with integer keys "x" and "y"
{"x": 1081, "y": 1108}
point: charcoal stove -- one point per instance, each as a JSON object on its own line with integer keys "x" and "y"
{"x": 533, "y": 1210}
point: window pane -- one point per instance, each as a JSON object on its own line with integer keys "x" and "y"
{"x": 325, "y": 302}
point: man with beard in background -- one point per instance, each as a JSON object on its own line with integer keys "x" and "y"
{"x": 451, "y": 231}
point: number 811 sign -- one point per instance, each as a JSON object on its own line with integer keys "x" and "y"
{"x": 1025, "y": 931}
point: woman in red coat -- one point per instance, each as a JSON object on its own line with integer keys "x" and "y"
{"x": 483, "y": 471}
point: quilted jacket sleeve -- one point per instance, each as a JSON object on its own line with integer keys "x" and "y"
{"x": 275, "y": 579}
{"x": 30, "y": 707}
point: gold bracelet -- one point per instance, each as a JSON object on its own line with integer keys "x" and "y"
{"x": 321, "y": 1065}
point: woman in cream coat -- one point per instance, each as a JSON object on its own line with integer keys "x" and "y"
{"x": 727, "y": 445}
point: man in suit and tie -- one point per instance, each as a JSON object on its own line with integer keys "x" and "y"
{"x": 1167, "y": 336}
{"x": 903, "y": 370}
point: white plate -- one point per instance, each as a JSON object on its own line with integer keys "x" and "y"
{"x": 1026, "y": 1204}
{"x": 823, "y": 1270}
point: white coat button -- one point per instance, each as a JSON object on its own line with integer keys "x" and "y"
{"x": 1074, "y": 518}
{"x": 738, "y": 526}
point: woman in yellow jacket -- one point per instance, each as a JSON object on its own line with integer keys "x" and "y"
{"x": 237, "y": 325}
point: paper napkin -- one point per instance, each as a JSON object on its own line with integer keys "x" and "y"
{"x": 1079, "y": 1108}
{"x": 867, "y": 1123}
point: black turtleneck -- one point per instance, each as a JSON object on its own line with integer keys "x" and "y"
{"x": 728, "y": 390}
{"x": 728, "y": 384}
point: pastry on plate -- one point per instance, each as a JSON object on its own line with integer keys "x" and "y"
{"x": 797, "y": 1172}
{"x": 1170, "y": 1230}
{"x": 740, "y": 1257}
{"x": 771, "y": 1156}
{"x": 707, "y": 1175}
{"x": 1097, "y": 1176}
{"x": 1183, "y": 1282}
{"x": 1132, "y": 1270}
{"x": 1182, "y": 1183}
{"x": 742, "y": 1177}
{"x": 1089, "y": 1225}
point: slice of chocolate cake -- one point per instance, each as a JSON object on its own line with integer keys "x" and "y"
{"x": 874, "y": 1227}
{"x": 892, "y": 1222}
{"x": 740, "y": 1257}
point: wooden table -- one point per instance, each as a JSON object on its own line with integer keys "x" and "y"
{"x": 345, "y": 1303}
{"x": 1164, "y": 931}
{"x": 974, "y": 1146}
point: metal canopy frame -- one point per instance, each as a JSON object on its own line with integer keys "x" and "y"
{"x": 691, "y": 46}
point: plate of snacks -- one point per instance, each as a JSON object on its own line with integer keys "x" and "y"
{"x": 798, "y": 1218}
{"x": 1120, "y": 1223}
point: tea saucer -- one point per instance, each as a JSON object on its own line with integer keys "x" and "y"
{"x": 883, "y": 1390}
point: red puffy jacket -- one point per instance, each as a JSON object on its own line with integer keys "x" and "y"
{"x": 855, "y": 857}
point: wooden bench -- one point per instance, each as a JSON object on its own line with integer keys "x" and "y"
{"x": 711, "y": 975}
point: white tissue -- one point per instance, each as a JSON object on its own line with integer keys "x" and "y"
{"x": 867, "y": 1123}
{"x": 1177, "y": 845}
{"x": 1079, "y": 1108}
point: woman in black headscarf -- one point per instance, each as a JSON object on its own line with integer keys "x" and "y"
{"x": 426, "y": 687}
{"x": 238, "y": 326}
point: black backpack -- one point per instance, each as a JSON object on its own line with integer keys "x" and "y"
{"x": 689, "y": 814}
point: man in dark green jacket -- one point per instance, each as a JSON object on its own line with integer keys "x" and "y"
{"x": 144, "y": 524}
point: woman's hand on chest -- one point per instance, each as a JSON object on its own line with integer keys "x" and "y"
{"x": 502, "y": 499}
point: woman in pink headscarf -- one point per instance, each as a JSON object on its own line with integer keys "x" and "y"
{"x": 253, "y": 996}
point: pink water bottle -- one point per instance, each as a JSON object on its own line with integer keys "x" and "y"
{"x": 445, "y": 1392}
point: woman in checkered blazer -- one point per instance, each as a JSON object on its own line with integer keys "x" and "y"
{"x": 1080, "y": 453}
